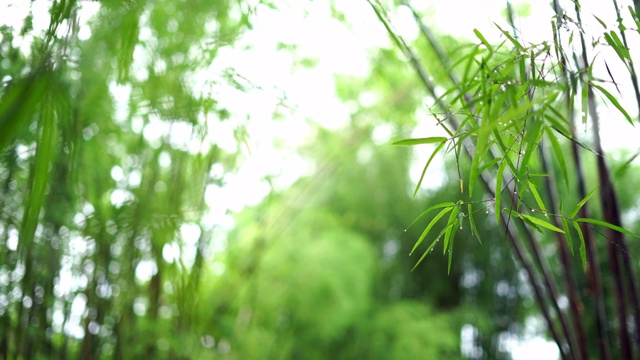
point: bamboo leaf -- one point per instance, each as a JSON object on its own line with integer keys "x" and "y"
{"x": 583, "y": 249}
{"x": 513, "y": 41}
{"x": 453, "y": 221}
{"x": 559, "y": 155}
{"x": 39, "y": 173}
{"x": 581, "y": 203}
{"x": 424, "y": 170}
{"x": 437, "y": 206}
{"x": 420, "y": 141}
{"x": 430, "y": 248}
{"x": 474, "y": 230}
{"x": 606, "y": 224}
{"x": 430, "y": 226}
{"x": 484, "y": 41}
{"x": 499, "y": 189}
{"x": 542, "y": 223}
{"x": 424, "y": 254}
{"x": 536, "y": 195}
{"x": 614, "y": 101}
{"x": 567, "y": 234}
{"x": 601, "y": 22}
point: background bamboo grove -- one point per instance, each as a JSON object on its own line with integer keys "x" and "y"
{"x": 111, "y": 159}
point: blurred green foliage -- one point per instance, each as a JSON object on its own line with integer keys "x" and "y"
{"x": 98, "y": 190}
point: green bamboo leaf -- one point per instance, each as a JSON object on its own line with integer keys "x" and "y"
{"x": 581, "y": 203}
{"x": 424, "y": 254}
{"x": 614, "y": 101}
{"x": 600, "y": 21}
{"x": 39, "y": 173}
{"x": 430, "y": 226}
{"x": 583, "y": 249}
{"x": 635, "y": 17}
{"x": 567, "y": 234}
{"x": 614, "y": 41}
{"x": 499, "y": 189}
{"x": 542, "y": 223}
{"x": 484, "y": 41}
{"x": 533, "y": 136}
{"x": 511, "y": 38}
{"x": 606, "y": 224}
{"x": 424, "y": 170}
{"x": 474, "y": 230}
{"x": 430, "y": 248}
{"x": 453, "y": 221}
{"x": 437, "y": 206}
{"x": 419, "y": 141}
{"x": 559, "y": 155}
{"x": 536, "y": 195}
{"x": 18, "y": 102}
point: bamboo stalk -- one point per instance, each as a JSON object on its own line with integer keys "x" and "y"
{"x": 610, "y": 208}
{"x": 593, "y": 265}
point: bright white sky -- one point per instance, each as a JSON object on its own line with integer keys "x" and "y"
{"x": 339, "y": 49}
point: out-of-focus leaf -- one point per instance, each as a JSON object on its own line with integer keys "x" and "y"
{"x": 419, "y": 141}
{"x": 19, "y": 102}
{"x": 484, "y": 41}
{"x": 499, "y": 177}
{"x": 39, "y": 174}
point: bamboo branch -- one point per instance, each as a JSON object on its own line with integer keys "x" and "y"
{"x": 518, "y": 250}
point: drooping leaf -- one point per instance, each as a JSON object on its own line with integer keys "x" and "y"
{"x": 430, "y": 226}
{"x": 581, "y": 203}
{"x": 583, "y": 250}
{"x": 437, "y": 206}
{"x": 536, "y": 195}
{"x": 453, "y": 219}
{"x": 474, "y": 230}
{"x": 606, "y": 224}
{"x": 614, "y": 101}
{"x": 420, "y": 141}
{"x": 542, "y": 223}
{"x": 567, "y": 234}
{"x": 559, "y": 155}
{"x": 424, "y": 170}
